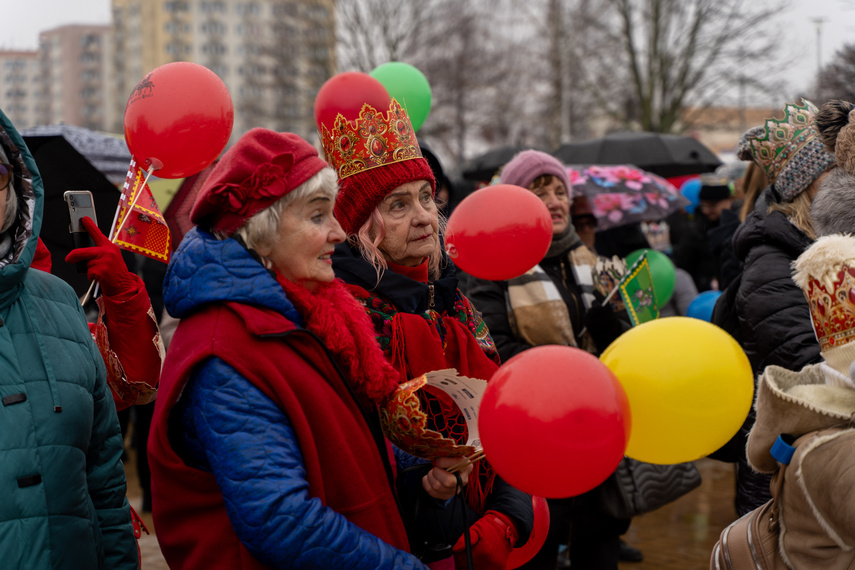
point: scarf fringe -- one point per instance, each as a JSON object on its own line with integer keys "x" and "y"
{"x": 338, "y": 319}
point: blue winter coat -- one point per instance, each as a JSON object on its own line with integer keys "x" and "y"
{"x": 62, "y": 483}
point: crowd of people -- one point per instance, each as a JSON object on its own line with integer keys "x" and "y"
{"x": 314, "y": 286}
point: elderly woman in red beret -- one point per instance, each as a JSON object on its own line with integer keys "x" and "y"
{"x": 266, "y": 450}
{"x": 394, "y": 264}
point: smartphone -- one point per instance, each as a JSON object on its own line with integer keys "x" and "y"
{"x": 80, "y": 205}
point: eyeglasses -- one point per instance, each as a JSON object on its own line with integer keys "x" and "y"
{"x": 5, "y": 176}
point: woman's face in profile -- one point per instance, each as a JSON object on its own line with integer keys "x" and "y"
{"x": 411, "y": 223}
{"x": 308, "y": 232}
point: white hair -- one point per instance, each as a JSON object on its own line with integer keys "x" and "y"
{"x": 262, "y": 229}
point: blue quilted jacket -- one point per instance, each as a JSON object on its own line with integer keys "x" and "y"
{"x": 224, "y": 418}
{"x": 62, "y": 483}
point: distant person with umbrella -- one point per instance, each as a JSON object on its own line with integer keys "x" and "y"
{"x": 556, "y": 303}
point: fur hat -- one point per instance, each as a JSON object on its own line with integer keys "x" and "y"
{"x": 262, "y": 167}
{"x": 528, "y": 165}
{"x": 826, "y": 274}
{"x": 833, "y": 209}
{"x": 789, "y": 150}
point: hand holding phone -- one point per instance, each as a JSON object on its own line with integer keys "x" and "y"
{"x": 80, "y": 205}
{"x": 104, "y": 264}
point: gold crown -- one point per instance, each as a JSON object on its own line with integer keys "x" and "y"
{"x": 372, "y": 140}
{"x": 779, "y": 140}
{"x": 826, "y": 274}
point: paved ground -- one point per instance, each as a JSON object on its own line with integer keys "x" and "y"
{"x": 678, "y": 536}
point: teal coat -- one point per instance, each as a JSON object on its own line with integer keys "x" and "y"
{"x": 62, "y": 483}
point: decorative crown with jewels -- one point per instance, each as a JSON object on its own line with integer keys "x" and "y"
{"x": 779, "y": 140}
{"x": 826, "y": 274}
{"x": 372, "y": 140}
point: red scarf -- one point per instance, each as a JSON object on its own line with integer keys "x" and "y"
{"x": 331, "y": 312}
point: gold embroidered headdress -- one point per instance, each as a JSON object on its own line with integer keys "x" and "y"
{"x": 788, "y": 150}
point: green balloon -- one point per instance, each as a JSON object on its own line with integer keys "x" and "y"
{"x": 661, "y": 271}
{"x": 409, "y": 86}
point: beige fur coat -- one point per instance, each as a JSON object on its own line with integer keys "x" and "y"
{"x": 817, "y": 500}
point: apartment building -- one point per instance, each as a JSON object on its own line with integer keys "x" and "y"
{"x": 273, "y": 55}
{"x": 75, "y": 76}
{"x": 20, "y": 86}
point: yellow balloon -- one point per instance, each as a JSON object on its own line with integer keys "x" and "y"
{"x": 689, "y": 384}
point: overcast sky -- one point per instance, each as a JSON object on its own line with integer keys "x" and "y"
{"x": 24, "y": 19}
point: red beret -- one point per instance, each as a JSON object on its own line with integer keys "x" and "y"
{"x": 262, "y": 167}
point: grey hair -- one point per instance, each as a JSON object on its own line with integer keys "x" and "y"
{"x": 833, "y": 208}
{"x": 262, "y": 229}
{"x": 11, "y": 206}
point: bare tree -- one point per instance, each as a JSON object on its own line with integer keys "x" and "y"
{"x": 837, "y": 79}
{"x": 672, "y": 53}
{"x": 483, "y": 90}
{"x": 372, "y": 32}
{"x": 470, "y": 56}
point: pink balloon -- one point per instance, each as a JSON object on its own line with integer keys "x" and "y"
{"x": 498, "y": 232}
{"x": 536, "y": 539}
{"x": 554, "y": 421}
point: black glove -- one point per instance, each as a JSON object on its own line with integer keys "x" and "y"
{"x": 603, "y": 325}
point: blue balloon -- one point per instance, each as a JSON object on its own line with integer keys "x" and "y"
{"x": 701, "y": 306}
{"x": 691, "y": 189}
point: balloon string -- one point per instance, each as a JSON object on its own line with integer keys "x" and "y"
{"x": 119, "y": 231}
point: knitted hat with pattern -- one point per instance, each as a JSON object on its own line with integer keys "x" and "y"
{"x": 789, "y": 150}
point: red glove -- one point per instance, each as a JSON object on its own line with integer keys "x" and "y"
{"x": 493, "y": 538}
{"x": 104, "y": 263}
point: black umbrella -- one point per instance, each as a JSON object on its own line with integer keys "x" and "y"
{"x": 63, "y": 168}
{"x": 107, "y": 153}
{"x": 662, "y": 154}
{"x": 483, "y": 167}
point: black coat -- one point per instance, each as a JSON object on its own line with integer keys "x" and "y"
{"x": 774, "y": 318}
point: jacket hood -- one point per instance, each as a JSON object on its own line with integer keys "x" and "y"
{"x": 406, "y": 294}
{"x": 207, "y": 270}
{"x": 795, "y": 403}
{"x": 30, "y": 193}
{"x": 772, "y": 229}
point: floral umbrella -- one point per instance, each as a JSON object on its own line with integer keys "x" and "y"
{"x": 625, "y": 194}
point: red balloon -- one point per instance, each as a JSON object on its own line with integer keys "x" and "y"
{"x": 346, "y": 93}
{"x": 554, "y": 421}
{"x": 498, "y": 232}
{"x": 539, "y": 530}
{"x": 178, "y": 119}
